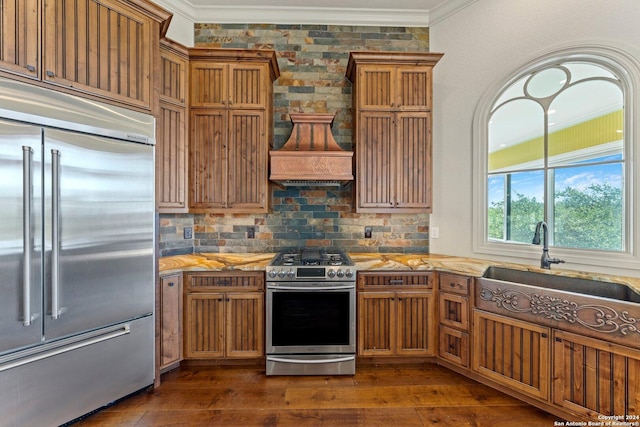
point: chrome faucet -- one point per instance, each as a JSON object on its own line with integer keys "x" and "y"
{"x": 545, "y": 261}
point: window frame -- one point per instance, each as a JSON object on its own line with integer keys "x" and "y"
{"x": 627, "y": 68}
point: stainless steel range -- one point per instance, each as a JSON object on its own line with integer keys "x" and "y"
{"x": 311, "y": 313}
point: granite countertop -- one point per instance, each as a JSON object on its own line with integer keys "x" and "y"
{"x": 372, "y": 261}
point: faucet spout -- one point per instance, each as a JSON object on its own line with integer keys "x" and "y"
{"x": 545, "y": 260}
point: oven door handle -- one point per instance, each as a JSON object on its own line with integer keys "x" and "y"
{"x": 309, "y": 288}
{"x": 311, "y": 361}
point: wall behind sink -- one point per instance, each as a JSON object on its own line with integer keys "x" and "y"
{"x": 312, "y": 61}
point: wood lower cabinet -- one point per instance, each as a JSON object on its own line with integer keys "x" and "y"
{"x": 170, "y": 320}
{"x": 231, "y": 104}
{"x": 453, "y": 315}
{"x": 593, "y": 377}
{"x": 512, "y": 352}
{"x": 392, "y": 130}
{"x": 396, "y": 314}
{"x": 224, "y": 315}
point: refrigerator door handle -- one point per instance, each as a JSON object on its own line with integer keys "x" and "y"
{"x": 55, "y": 234}
{"x": 27, "y": 235}
{"x": 55, "y": 349}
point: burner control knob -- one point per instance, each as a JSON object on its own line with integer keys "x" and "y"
{"x": 291, "y": 273}
{"x": 273, "y": 274}
{"x": 331, "y": 273}
{"x": 348, "y": 273}
{"x": 281, "y": 274}
{"x": 340, "y": 273}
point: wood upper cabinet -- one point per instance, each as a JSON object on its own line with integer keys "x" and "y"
{"x": 394, "y": 87}
{"x": 396, "y": 314}
{"x": 231, "y": 129}
{"x": 230, "y": 85}
{"x": 103, "y": 48}
{"x": 513, "y": 353}
{"x": 392, "y": 130}
{"x": 172, "y": 134}
{"x": 592, "y": 376}
{"x": 224, "y": 315}
{"x": 20, "y": 39}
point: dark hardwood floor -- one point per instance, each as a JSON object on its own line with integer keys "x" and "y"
{"x": 388, "y": 395}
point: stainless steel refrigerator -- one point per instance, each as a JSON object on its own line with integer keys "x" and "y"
{"x": 76, "y": 254}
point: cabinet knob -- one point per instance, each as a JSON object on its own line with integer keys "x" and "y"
{"x": 31, "y": 68}
{"x": 50, "y": 73}
{"x": 171, "y": 284}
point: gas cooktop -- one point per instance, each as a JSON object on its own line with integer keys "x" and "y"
{"x": 312, "y": 257}
{"x": 310, "y": 264}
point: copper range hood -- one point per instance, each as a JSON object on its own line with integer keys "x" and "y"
{"x": 311, "y": 156}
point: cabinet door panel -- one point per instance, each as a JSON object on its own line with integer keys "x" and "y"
{"x": 247, "y": 160}
{"x": 512, "y": 352}
{"x": 376, "y": 324}
{"x": 416, "y": 333}
{"x": 171, "y": 320}
{"x": 592, "y": 376}
{"x": 105, "y": 50}
{"x": 376, "y": 158}
{"x": 208, "y": 85}
{"x": 204, "y": 326}
{"x": 245, "y": 324}
{"x": 208, "y": 153}
{"x": 247, "y": 88}
{"x": 454, "y": 346}
{"x": 414, "y": 88}
{"x": 376, "y": 88}
{"x": 454, "y": 311}
{"x": 414, "y": 161}
{"x": 171, "y": 159}
{"x": 20, "y": 36}
{"x": 173, "y": 77}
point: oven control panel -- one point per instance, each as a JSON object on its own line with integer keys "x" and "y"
{"x": 311, "y": 273}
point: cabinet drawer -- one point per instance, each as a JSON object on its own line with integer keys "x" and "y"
{"x": 227, "y": 281}
{"x": 454, "y": 311}
{"x": 454, "y": 283}
{"x": 377, "y": 280}
{"x": 454, "y": 346}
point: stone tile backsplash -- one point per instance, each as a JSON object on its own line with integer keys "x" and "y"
{"x": 301, "y": 217}
{"x": 312, "y": 61}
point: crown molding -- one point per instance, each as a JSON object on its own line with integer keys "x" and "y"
{"x": 314, "y": 15}
{"x": 446, "y": 9}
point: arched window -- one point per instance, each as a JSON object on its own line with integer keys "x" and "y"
{"x": 556, "y": 148}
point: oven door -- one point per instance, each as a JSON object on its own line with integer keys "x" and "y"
{"x": 311, "y": 318}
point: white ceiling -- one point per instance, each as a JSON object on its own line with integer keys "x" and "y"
{"x": 336, "y": 12}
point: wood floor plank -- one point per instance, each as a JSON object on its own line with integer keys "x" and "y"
{"x": 397, "y": 396}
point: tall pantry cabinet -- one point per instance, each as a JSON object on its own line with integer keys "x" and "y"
{"x": 392, "y": 130}
{"x": 172, "y": 136}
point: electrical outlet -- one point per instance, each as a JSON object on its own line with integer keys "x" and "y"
{"x": 434, "y": 232}
{"x": 367, "y": 232}
{"x": 251, "y": 233}
{"x": 187, "y": 233}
